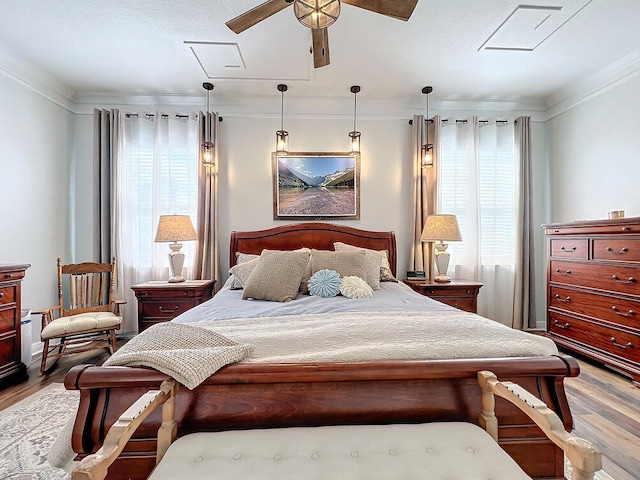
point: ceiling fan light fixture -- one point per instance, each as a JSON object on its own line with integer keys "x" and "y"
{"x": 316, "y": 13}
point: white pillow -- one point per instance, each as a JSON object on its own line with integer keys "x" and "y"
{"x": 238, "y": 284}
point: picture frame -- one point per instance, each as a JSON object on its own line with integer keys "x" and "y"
{"x": 316, "y": 186}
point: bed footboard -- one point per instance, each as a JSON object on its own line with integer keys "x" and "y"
{"x": 244, "y": 396}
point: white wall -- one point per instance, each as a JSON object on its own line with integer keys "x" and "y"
{"x": 595, "y": 164}
{"x": 246, "y": 178}
{"x": 36, "y": 175}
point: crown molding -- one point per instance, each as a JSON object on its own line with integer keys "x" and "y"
{"x": 600, "y": 82}
{"x": 29, "y": 75}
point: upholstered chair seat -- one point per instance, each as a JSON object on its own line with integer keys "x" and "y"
{"x": 80, "y": 323}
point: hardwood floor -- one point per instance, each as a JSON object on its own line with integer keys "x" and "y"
{"x": 606, "y": 411}
{"x": 605, "y": 406}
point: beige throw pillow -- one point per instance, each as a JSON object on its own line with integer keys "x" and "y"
{"x": 237, "y": 283}
{"x": 276, "y": 276}
{"x": 347, "y": 264}
{"x": 373, "y": 261}
{"x": 241, "y": 273}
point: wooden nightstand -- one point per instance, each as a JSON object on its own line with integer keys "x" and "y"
{"x": 161, "y": 301}
{"x": 461, "y": 294}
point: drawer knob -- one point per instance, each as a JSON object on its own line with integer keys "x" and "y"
{"x": 568, "y": 272}
{"x": 166, "y": 310}
{"x": 1, "y": 294}
{"x": 615, "y": 342}
{"x": 568, "y": 249}
{"x": 564, "y": 326}
{"x": 630, "y": 313}
{"x": 622, "y": 250}
{"x": 563, "y": 300}
{"x": 626, "y": 229}
{"x": 615, "y": 278}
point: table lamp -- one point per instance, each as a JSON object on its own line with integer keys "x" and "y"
{"x": 174, "y": 229}
{"x": 441, "y": 228}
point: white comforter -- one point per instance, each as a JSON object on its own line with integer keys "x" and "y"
{"x": 396, "y": 324}
{"x": 352, "y": 337}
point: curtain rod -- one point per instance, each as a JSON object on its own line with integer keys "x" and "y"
{"x": 164, "y": 115}
{"x": 446, "y": 120}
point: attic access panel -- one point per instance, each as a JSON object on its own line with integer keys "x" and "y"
{"x": 252, "y": 60}
{"x": 528, "y": 26}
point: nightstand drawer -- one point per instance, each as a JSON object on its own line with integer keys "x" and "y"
{"x": 466, "y": 304}
{"x": 165, "y": 309}
{"x": 457, "y": 293}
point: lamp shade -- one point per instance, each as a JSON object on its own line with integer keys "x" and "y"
{"x": 175, "y": 228}
{"x": 441, "y": 228}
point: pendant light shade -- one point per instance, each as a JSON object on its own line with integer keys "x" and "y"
{"x": 207, "y": 143}
{"x": 316, "y": 13}
{"x": 282, "y": 136}
{"x": 354, "y": 136}
{"x": 427, "y": 148}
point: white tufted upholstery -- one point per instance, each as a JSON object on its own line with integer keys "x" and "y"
{"x": 433, "y": 451}
{"x": 79, "y": 323}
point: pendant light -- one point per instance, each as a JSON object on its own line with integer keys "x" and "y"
{"x": 207, "y": 144}
{"x": 354, "y": 136}
{"x": 282, "y": 136}
{"x": 427, "y": 148}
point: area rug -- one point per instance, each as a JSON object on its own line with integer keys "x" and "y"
{"x": 29, "y": 428}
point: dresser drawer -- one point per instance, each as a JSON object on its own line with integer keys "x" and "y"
{"x": 610, "y": 309}
{"x": 7, "y": 294}
{"x": 604, "y": 277}
{"x": 609, "y": 340}
{"x": 8, "y": 321}
{"x": 8, "y": 275}
{"x": 570, "y": 247}
{"x": 165, "y": 309}
{"x": 617, "y": 249}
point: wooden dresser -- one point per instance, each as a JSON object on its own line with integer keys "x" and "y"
{"x": 161, "y": 301}
{"x": 593, "y": 290}
{"x": 12, "y": 370}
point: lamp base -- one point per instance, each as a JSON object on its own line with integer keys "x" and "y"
{"x": 176, "y": 262}
{"x": 442, "y": 262}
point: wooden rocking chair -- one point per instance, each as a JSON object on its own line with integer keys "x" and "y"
{"x": 89, "y": 316}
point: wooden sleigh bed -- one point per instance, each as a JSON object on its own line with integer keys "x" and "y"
{"x": 247, "y": 396}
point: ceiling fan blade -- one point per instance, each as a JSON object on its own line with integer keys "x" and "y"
{"x": 320, "y": 47}
{"x": 256, "y": 15}
{"x": 400, "y": 9}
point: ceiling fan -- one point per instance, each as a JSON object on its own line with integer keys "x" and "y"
{"x": 318, "y": 15}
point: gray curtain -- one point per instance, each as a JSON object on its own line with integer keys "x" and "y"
{"x": 106, "y": 126}
{"x": 424, "y": 190}
{"x": 524, "y": 316}
{"x": 207, "y": 263}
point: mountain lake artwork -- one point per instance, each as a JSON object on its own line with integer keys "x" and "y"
{"x": 316, "y": 186}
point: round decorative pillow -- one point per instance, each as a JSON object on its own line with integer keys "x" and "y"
{"x": 324, "y": 283}
{"x": 355, "y": 287}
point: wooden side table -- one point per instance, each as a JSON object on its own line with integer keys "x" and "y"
{"x": 461, "y": 294}
{"x": 161, "y": 301}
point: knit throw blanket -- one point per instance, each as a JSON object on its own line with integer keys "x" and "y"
{"x": 188, "y": 353}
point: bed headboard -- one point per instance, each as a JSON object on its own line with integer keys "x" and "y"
{"x": 316, "y": 235}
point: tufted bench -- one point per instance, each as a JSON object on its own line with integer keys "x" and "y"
{"x": 434, "y": 451}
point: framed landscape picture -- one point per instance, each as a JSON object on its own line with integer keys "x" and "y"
{"x": 316, "y": 186}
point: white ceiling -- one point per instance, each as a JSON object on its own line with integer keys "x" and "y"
{"x": 469, "y": 50}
